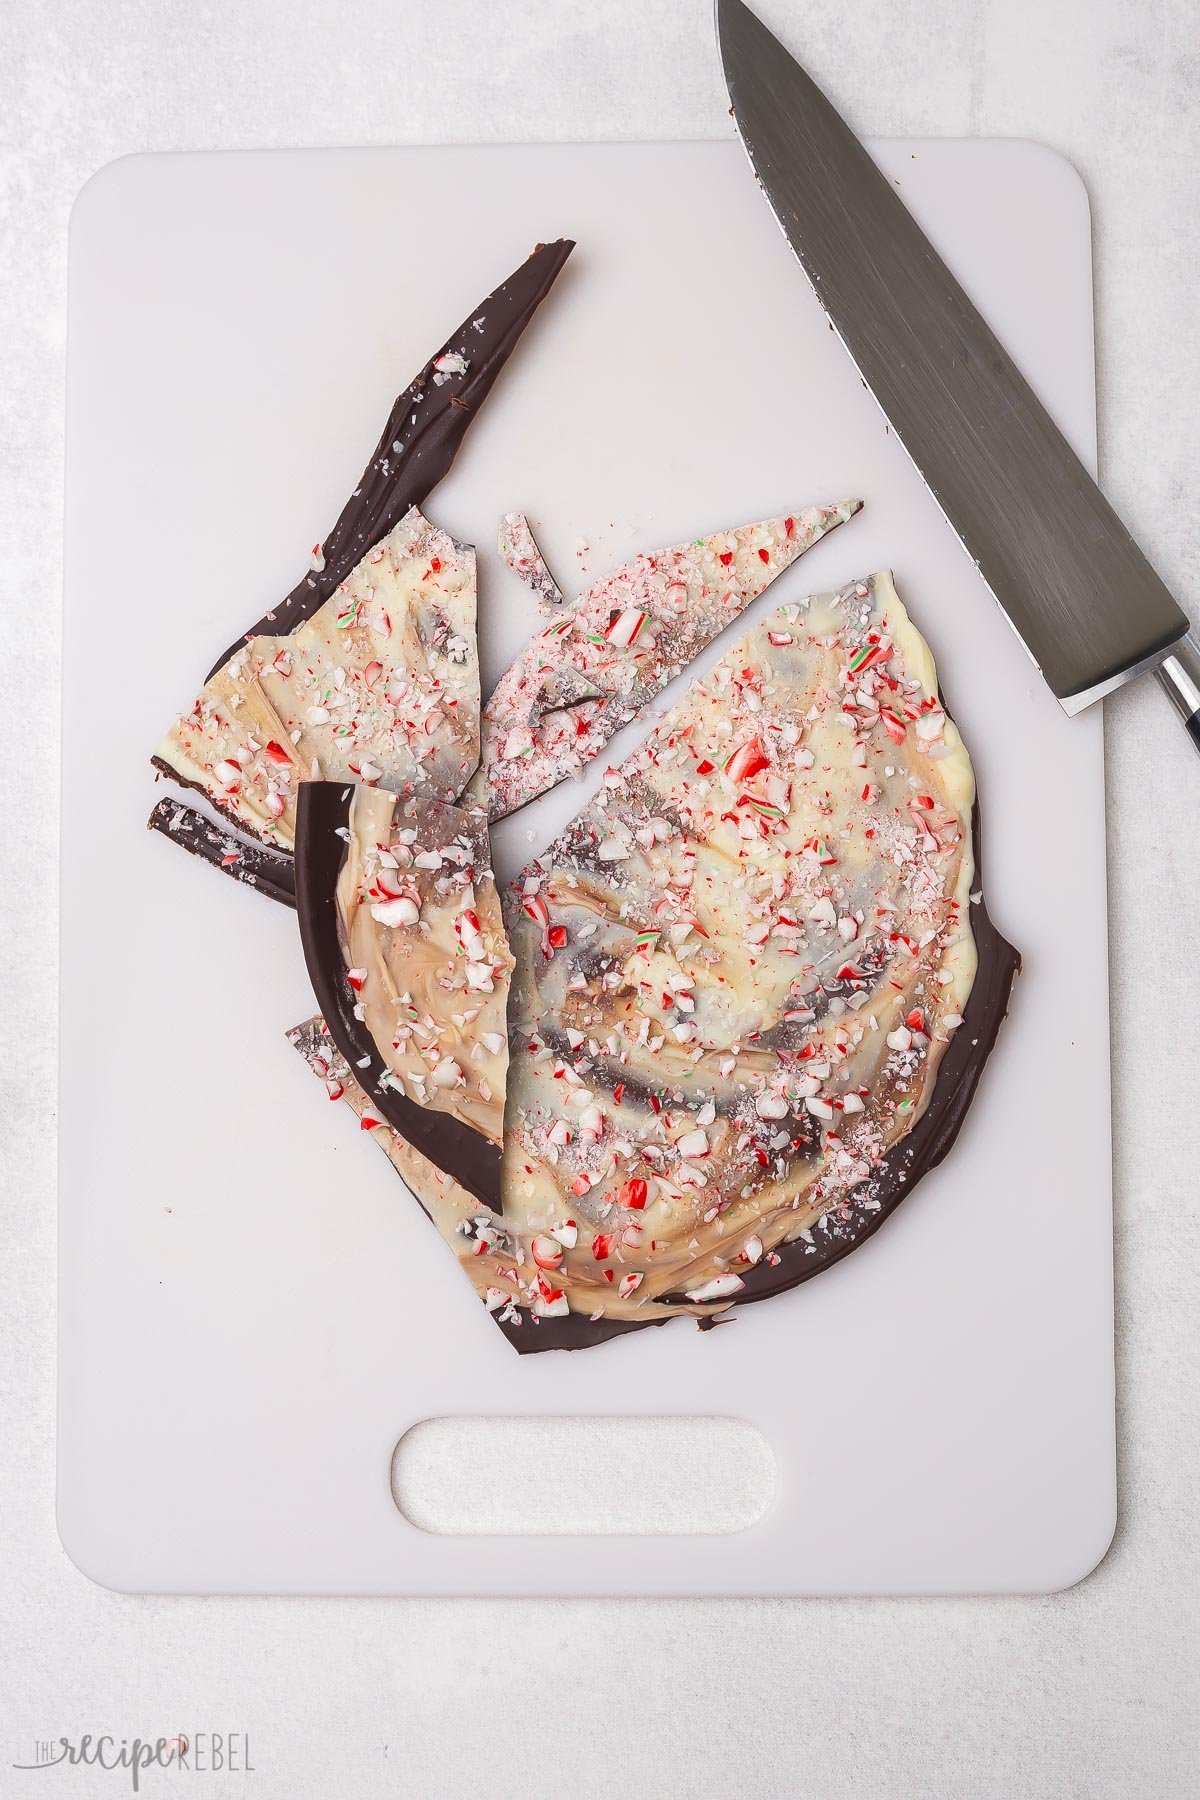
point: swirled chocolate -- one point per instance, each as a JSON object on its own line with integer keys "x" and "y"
{"x": 381, "y": 685}
{"x": 756, "y": 989}
{"x": 429, "y": 959}
{"x": 401, "y": 929}
{"x": 589, "y": 671}
{"x": 740, "y": 971}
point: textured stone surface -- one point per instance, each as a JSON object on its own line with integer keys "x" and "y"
{"x": 1087, "y": 1693}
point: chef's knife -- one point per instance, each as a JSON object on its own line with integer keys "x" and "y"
{"x": 1079, "y": 592}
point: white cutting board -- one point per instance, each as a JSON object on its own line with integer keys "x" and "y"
{"x": 238, "y": 1353}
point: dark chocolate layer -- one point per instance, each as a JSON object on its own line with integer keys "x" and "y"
{"x": 421, "y": 438}
{"x": 322, "y": 812}
{"x": 269, "y": 871}
{"x": 528, "y": 1334}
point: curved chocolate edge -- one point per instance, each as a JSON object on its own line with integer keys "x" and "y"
{"x": 424, "y": 429}
{"x": 236, "y": 830}
{"x": 574, "y": 1332}
{"x": 322, "y": 811}
{"x": 303, "y": 1038}
{"x": 920, "y": 1150}
{"x": 932, "y": 1137}
{"x": 269, "y": 871}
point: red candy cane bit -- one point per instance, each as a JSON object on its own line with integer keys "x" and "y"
{"x": 747, "y": 760}
{"x": 539, "y": 912}
{"x": 626, "y": 627}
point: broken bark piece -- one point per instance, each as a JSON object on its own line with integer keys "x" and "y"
{"x": 381, "y": 685}
{"x": 406, "y": 951}
{"x": 757, "y": 988}
{"x": 756, "y": 982}
{"x": 628, "y": 636}
{"x": 498, "y": 1268}
{"x": 423, "y": 431}
{"x": 519, "y": 550}
{"x": 419, "y": 442}
{"x": 255, "y": 865}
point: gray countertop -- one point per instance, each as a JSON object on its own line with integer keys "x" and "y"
{"x": 1091, "y": 1692}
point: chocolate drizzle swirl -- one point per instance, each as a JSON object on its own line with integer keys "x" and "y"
{"x": 929, "y": 1141}
{"x": 323, "y": 812}
{"x": 424, "y": 429}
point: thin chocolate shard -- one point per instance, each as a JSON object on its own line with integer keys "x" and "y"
{"x": 518, "y": 547}
{"x": 421, "y": 438}
{"x": 322, "y": 824}
{"x": 628, "y": 636}
{"x": 255, "y": 865}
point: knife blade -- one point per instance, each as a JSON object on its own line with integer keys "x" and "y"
{"x": 1080, "y": 593}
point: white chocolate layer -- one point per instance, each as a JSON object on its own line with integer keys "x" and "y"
{"x": 740, "y": 967}
{"x": 427, "y": 953}
{"x": 588, "y": 672}
{"x": 381, "y": 685}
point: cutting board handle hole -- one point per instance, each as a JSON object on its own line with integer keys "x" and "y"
{"x": 582, "y": 1477}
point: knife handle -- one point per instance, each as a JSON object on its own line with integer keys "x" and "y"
{"x": 1179, "y": 673}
